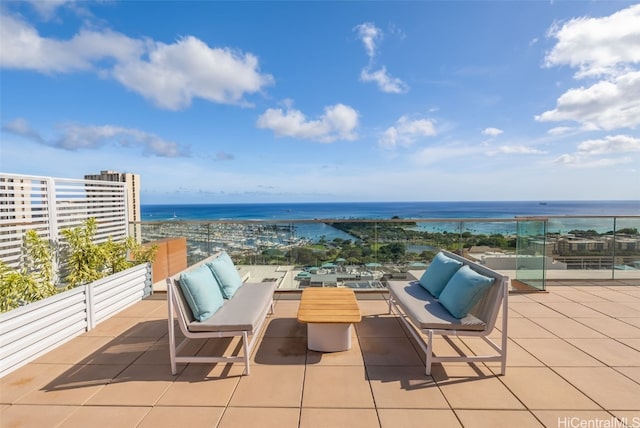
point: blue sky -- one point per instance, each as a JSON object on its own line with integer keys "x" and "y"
{"x": 215, "y": 102}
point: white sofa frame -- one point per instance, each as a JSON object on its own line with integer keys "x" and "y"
{"x": 485, "y": 310}
{"x": 177, "y": 305}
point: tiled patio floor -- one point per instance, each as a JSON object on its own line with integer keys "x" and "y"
{"x": 574, "y": 358}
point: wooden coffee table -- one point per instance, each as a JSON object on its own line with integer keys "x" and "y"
{"x": 329, "y": 314}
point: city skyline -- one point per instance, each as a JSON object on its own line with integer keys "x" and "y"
{"x": 216, "y": 102}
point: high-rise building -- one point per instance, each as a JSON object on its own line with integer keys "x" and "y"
{"x": 132, "y": 184}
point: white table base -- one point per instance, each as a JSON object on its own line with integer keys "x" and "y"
{"x": 329, "y": 337}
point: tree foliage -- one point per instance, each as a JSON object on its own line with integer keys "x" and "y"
{"x": 82, "y": 261}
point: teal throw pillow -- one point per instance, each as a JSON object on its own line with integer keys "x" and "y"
{"x": 463, "y": 291}
{"x": 227, "y": 275}
{"x": 202, "y": 293}
{"x": 439, "y": 272}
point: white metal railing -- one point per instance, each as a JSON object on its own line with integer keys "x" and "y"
{"x": 48, "y": 205}
{"x": 35, "y": 329}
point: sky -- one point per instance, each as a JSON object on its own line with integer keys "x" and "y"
{"x": 318, "y": 101}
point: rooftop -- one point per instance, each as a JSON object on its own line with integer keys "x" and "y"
{"x": 574, "y": 352}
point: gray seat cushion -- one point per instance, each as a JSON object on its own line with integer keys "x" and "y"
{"x": 243, "y": 312}
{"x": 426, "y": 312}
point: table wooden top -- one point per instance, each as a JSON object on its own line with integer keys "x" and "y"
{"x": 328, "y": 305}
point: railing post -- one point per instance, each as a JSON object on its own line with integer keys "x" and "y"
{"x": 91, "y": 316}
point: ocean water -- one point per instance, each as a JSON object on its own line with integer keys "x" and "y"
{"x": 445, "y": 211}
{"x": 387, "y": 210}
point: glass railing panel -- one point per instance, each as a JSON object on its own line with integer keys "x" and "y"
{"x": 582, "y": 247}
{"x": 626, "y": 248}
{"x": 532, "y": 253}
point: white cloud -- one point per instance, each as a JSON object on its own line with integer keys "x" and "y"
{"x": 385, "y": 82}
{"x": 588, "y": 151}
{"x": 170, "y": 75}
{"x": 369, "y": 34}
{"x": 605, "y": 48}
{"x": 438, "y": 154}
{"x": 175, "y": 74}
{"x": 598, "y": 46}
{"x": 406, "y": 131}
{"x": 580, "y": 162}
{"x": 605, "y": 105}
{"x": 610, "y": 144}
{"x": 21, "y": 127}
{"x": 492, "y": 132}
{"x": 518, "y": 150}
{"x": 560, "y": 130}
{"x": 337, "y": 123}
{"x": 24, "y": 48}
{"x": 78, "y": 137}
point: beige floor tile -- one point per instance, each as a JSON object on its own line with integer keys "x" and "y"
{"x": 338, "y": 418}
{"x": 120, "y": 350}
{"x": 390, "y": 351}
{"x": 632, "y": 373}
{"x": 379, "y": 326}
{"x": 281, "y": 351}
{"x": 286, "y": 308}
{"x": 144, "y": 309}
{"x": 273, "y": 417}
{"x": 497, "y": 418}
{"x": 615, "y": 309}
{"x": 612, "y": 327}
{"x": 109, "y": 416}
{"x": 74, "y": 350}
{"x": 557, "y": 352}
{"x": 337, "y": 387}
{"x": 417, "y": 418}
{"x": 473, "y": 387}
{"x": 630, "y": 418}
{"x": 28, "y": 378}
{"x": 573, "y": 309}
{"x": 74, "y": 386}
{"x": 140, "y": 385}
{"x": 609, "y": 351}
{"x": 284, "y": 327}
{"x": 632, "y": 321}
{"x": 373, "y": 307}
{"x": 147, "y": 328}
{"x": 203, "y": 385}
{"x": 35, "y": 416}
{"x": 171, "y": 417}
{"x": 550, "y": 296}
{"x": 534, "y": 310}
{"x": 516, "y": 355}
{"x": 633, "y": 343}
{"x": 572, "y": 418}
{"x": 527, "y": 383}
{"x": 610, "y": 389}
{"x": 114, "y": 326}
{"x": 350, "y": 357}
{"x": 270, "y": 386}
{"x": 523, "y": 327}
{"x": 404, "y": 387}
{"x": 577, "y": 295}
{"x": 567, "y": 328}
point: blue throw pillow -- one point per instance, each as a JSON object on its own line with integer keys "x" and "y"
{"x": 201, "y": 291}
{"x": 463, "y": 291}
{"x": 227, "y": 275}
{"x": 439, "y": 273}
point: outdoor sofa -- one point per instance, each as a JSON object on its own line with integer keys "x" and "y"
{"x": 454, "y": 297}
{"x": 210, "y": 300}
